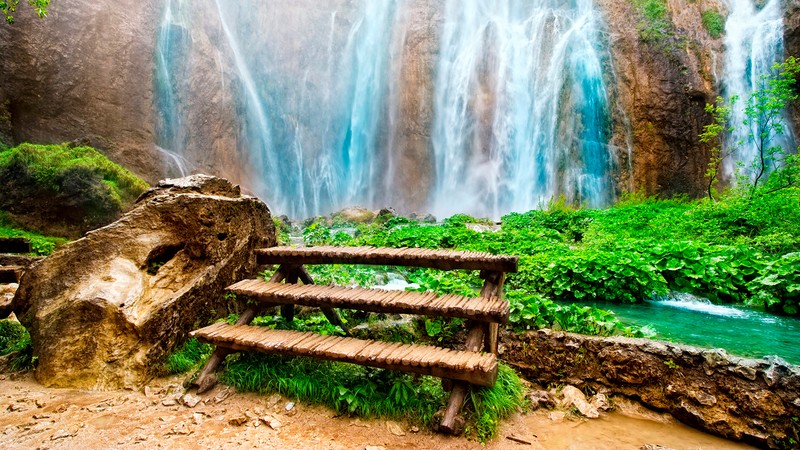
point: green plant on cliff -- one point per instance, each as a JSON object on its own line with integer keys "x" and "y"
{"x": 773, "y": 167}
{"x": 9, "y": 7}
{"x": 714, "y": 22}
{"x": 655, "y": 27}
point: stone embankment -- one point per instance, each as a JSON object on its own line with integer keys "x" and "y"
{"x": 752, "y": 400}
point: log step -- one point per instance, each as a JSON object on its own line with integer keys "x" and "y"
{"x": 493, "y": 309}
{"x": 411, "y": 257}
{"x": 472, "y": 367}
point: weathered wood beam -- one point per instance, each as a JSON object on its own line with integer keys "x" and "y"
{"x": 410, "y": 257}
{"x": 207, "y": 378}
{"x": 330, "y": 313}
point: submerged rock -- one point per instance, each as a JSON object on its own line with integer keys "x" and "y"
{"x": 104, "y": 310}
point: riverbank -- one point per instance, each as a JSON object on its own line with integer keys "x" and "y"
{"x": 38, "y": 417}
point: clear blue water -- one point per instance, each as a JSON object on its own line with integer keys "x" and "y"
{"x": 741, "y": 331}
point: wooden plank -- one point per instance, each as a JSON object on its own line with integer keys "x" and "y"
{"x": 10, "y": 274}
{"x": 207, "y": 380}
{"x": 471, "y": 367}
{"x": 486, "y": 309}
{"x": 435, "y": 259}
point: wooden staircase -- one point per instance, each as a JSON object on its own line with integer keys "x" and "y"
{"x": 477, "y": 364}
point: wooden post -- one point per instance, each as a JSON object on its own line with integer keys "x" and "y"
{"x": 492, "y": 286}
{"x": 287, "y": 311}
{"x": 330, "y": 313}
{"x": 207, "y": 378}
{"x": 460, "y": 388}
{"x": 481, "y": 334}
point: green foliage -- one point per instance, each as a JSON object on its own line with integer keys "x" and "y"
{"x": 532, "y": 311}
{"x": 282, "y": 230}
{"x": 9, "y": 7}
{"x": 763, "y": 109}
{"x": 714, "y": 22}
{"x": 15, "y": 341}
{"x": 40, "y": 245}
{"x": 493, "y": 404}
{"x": 712, "y": 133}
{"x": 190, "y": 355}
{"x": 65, "y": 183}
{"x": 655, "y": 27}
{"x": 347, "y": 388}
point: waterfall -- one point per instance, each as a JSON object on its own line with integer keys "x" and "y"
{"x": 753, "y": 43}
{"x": 173, "y": 36}
{"x": 516, "y": 113}
{"x": 522, "y": 113}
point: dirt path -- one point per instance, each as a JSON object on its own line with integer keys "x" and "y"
{"x": 34, "y": 417}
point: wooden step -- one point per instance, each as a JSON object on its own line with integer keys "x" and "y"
{"x": 473, "y": 367}
{"x": 412, "y": 257}
{"x": 10, "y": 274}
{"x": 493, "y": 309}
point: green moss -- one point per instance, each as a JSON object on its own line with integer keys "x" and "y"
{"x": 51, "y": 166}
{"x": 40, "y": 245}
{"x": 64, "y": 187}
{"x": 714, "y": 23}
{"x": 655, "y": 26}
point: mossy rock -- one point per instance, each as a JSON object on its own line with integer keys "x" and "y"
{"x": 64, "y": 189}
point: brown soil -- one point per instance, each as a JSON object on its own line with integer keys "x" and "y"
{"x": 43, "y": 418}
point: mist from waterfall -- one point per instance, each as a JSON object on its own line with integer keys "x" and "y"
{"x": 170, "y": 130}
{"x": 519, "y": 109}
{"x": 522, "y": 112}
{"x": 753, "y": 43}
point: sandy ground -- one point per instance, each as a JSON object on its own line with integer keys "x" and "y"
{"x": 34, "y": 417}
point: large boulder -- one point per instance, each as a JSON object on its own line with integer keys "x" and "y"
{"x": 104, "y": 310}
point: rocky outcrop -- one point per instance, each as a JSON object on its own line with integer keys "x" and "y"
{"x": 84, "y": 72}
{"x": 104, "y": 310}
{"x": 663, "y": 86}
{"x": 743, "y": 399}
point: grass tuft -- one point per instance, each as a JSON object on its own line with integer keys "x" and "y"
{"x": 191, "y": 354}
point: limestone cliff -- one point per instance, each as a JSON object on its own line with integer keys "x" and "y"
{"x": 663, "y": 86}
{"x": 84, "y": 73}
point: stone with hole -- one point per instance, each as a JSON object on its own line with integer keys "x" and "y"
{"x": 103, "y": 311}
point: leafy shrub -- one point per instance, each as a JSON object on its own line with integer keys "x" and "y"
{"x": 714, "y": 22}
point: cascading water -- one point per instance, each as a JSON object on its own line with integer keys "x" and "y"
{"x": 753, "y": 43}
{"x": 522, "y": 112}
{"x": 172, "y": 37}
{"x": 519, "y": 113}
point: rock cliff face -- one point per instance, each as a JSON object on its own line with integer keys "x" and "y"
{"x": 663, "y": 87}
{"x": 88, "y": 72}
{"x": 85, "y": 72}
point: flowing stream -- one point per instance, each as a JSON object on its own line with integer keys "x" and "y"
{"x": 691, "y": 320}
